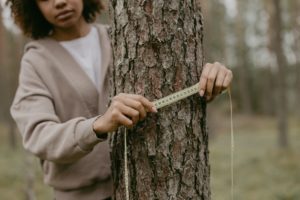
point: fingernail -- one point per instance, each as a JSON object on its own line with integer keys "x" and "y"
{"x": 201, "y": 93}
{"x": 154, "y": 109}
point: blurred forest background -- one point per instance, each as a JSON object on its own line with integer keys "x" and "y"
{"x": 260, "y": 41}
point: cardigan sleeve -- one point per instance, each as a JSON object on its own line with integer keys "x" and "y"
{"x": 42, "y": 131}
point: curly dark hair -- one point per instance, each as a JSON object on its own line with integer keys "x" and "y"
{"x": 29, "y": 18}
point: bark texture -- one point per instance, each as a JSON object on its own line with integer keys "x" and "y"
{"x": 157, "y": 48}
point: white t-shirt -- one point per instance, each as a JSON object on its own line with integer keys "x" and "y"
{"x": 87, "y": 53}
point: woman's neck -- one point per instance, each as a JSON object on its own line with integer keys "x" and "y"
{"x": 81, "y": 29}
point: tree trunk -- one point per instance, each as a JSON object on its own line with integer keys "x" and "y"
{"x": 1, "y": 36}
{"x": 297, "y": 50}
{"x": 9, "y": 71}
{"x": 214, "y": 13}
{"x": 297, "y": 87}
{"x": 29, "y": 178}
{"x": 157, "y": 48}
{"x": 295, "y": 26}
{"x": 1, "y": 64}
{"x": 12, "y": 134}
{"x": 275, "y": 44}
{"x": 244, "y": 73}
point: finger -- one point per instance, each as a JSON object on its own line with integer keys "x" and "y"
{"x": 125, "y": 121}
{"x": 211, "y": 79}
{"x": 148, "y": 105}
{"x": 227, "y": 79}
{"x": 204, "y": 78}
{"x": 137, "y": 106}
{"x": 118, "y": 117}
{"x": 129, "y": 112}
{"x": 219, "y": 81}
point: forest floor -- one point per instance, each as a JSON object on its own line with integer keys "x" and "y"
{"x": 261, "y": 169}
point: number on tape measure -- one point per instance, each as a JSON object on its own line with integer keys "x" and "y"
{"x": 172, "y": 98}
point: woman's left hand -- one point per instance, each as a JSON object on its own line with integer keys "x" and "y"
{"x": 215, "y": 78}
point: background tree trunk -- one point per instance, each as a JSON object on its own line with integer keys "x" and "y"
{"x": 244, "y": 73}
{"x": 10, "y": 64}
{"x": 8, "y": 50}
{"x": 14, "y": 50}
{"x": 275, "y": 45}
{"x": 214, "y": 13}
{"x": 295, "y": 28}
{"x": 29, "y": 192}
{"x": 157, "y": 49}
{"x": 2, "y": 46}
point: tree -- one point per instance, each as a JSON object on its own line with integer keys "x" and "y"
{"x": 1, "y": 34}
{"x": 276, "y": 47}
{"x": 10, "y": 56}
{"x": 157, "y": 47}
{"x": 11, "y": 70}
{"x": 294, "y": 7}
{"x": 1, "y": 61}
{"x": 214, "y": 13}
{"x": 242, "y": 53}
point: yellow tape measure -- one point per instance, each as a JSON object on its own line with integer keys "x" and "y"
{"x": 172, "y": 98}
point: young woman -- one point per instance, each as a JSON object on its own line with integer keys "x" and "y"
{"x": 61, "y": 105}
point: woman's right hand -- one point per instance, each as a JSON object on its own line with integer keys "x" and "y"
{"x": 126, "y": 110}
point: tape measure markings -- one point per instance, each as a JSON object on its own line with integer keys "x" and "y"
{"x": 172, "y": 98}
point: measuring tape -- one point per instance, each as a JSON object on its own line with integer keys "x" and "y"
{"x": 168, "y": 100}
{"x": 177, "y": 96}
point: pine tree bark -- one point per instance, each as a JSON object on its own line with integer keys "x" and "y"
{"x": 157, "y": 48}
